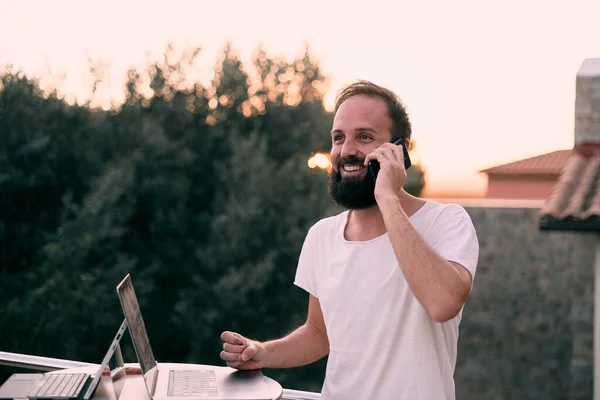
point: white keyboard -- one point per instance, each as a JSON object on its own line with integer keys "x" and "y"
{"x": 192, "y": 383}
{"x": 58, "y": 386}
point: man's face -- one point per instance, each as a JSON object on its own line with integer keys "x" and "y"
{"x": 360, "y": 125}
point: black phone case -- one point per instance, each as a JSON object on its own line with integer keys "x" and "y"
{"x": 374, "y": 164}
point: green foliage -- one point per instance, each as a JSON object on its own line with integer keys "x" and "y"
{"x": 415, "y": 180}
{"x": 202, "y": 193}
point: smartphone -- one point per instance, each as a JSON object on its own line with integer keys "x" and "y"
{"x": 374, "y": 164}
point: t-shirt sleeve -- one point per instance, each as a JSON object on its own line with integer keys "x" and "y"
{"x": 305, "y": 273}
{"x": 454, "y": 238}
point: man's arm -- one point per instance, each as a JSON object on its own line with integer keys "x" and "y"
{"x": 441, "y": 286}
{"x": 305, "y": 345}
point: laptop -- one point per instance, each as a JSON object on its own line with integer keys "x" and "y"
{"x": 59, "y": 385}
{"x": 186, "y": 381}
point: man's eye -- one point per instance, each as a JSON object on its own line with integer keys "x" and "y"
{"x": 338, "y": 138}
{"x": 365, "y": 137}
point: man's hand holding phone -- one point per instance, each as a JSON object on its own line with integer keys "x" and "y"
{"x": 388, "y": 164}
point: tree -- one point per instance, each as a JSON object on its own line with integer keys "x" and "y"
{"x": 415, "y": 176}
{"x": 246, "y": 269}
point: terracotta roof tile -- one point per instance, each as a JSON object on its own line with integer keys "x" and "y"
{"x": 545, "y": 164}
{"x": 575, "y": 198}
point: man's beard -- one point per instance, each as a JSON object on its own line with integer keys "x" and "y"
{"x": 352, "y": 193}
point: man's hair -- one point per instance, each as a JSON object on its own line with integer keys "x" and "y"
{"x": 401, "y": 127}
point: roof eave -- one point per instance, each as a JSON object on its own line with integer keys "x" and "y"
{"x": 523, "y": 174}
{"x": 547, "y": 223}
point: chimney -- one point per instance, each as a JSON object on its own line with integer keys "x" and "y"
{"x": 587, "y": 103}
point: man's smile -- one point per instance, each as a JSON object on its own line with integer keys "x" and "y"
{"x": 353, "y": 169}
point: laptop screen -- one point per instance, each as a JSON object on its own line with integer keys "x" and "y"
{"x": 106, "y": 360}
{"x": 137, "y": 331}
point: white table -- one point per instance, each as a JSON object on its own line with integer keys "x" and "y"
{"x": 130, "y": 386}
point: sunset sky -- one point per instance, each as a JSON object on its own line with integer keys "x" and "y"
{"x": 485, "y": 82}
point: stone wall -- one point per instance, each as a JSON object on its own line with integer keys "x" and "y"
{"x": 527, "y": 328}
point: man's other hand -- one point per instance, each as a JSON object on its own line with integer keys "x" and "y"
{"x": 240, "y": 352}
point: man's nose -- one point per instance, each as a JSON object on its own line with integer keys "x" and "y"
{"x": 349, "y": 149}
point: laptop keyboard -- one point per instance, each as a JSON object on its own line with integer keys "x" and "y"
{"x": 192, "y": 383}
{"x": 57, "y": 386}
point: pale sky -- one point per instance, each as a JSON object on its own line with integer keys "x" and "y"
{"x": 485, "y": 82}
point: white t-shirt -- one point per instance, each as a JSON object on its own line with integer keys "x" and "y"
{"x": 383, "y": 344}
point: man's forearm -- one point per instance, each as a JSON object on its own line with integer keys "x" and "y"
{"x": 303, "y": 346}
{"x": 434, "y": 281}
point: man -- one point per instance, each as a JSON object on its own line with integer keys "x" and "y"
{"x": 387, "y": 279}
